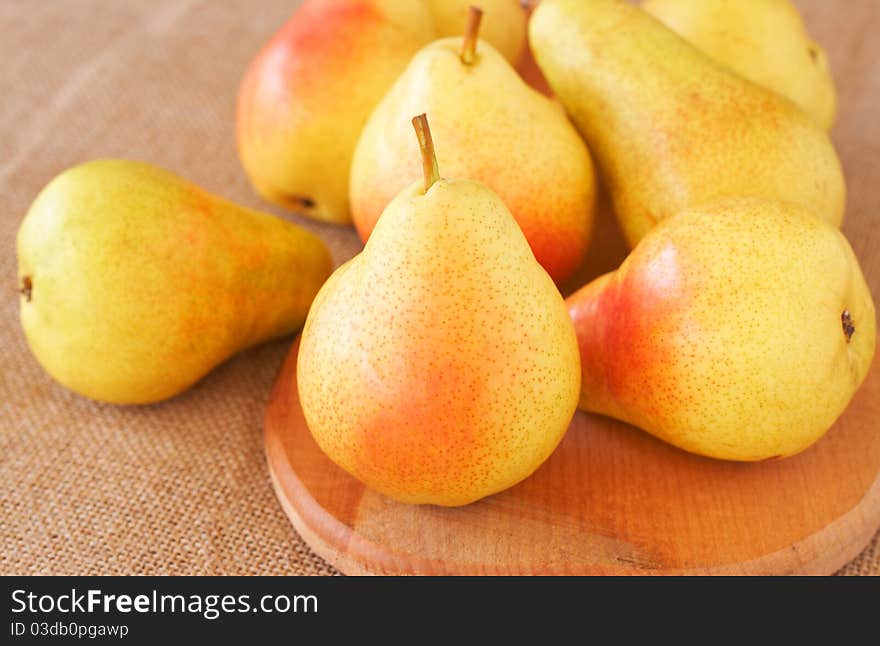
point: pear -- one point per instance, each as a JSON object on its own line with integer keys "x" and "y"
{"x": 764, "y": 41}
{"x": 505, "y": 28}
{"x": 669, "y": 127}
{"x": 308, "y": 93}
{"x": 135, "y": 283}
{"x": 738, "y": 330}
{"x": 493, "y": 128}
{"x": 439, "y": 365}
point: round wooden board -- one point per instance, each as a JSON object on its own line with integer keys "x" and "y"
{"x": 610, "y": 500}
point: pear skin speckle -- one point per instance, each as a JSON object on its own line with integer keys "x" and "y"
{"x": 491, "y": 127}
{"x": 138, "y": 282}
{"x": 764, "y": 41}
{"x": 669, "y": 127}
{"x": 440, "y": 365}
{"x": 739, "y": 330}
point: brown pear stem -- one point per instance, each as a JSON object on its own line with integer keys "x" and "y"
{"x": 471, "y": 33}
{"x": 26, "y": 288}
{"x": 426, "y": 145}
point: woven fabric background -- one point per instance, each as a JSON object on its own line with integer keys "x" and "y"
{"x": 182, "y": 487}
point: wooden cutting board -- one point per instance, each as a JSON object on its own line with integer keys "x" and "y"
{"x": 612, "y": 499}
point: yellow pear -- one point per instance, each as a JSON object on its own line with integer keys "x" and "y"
{"x": 669, "y": 127}
{"x": 738, "y": 330}
{"x": 308, "y": 93}
{"x": 493, "y": 128}
{"x": 439, "y": 365}
{"x": 135, "y": 283}
{"x": 763, "y": 40}
{"x": 504, "y": 28}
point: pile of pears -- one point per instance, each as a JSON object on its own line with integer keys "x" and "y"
{"x": 442, "y": 364}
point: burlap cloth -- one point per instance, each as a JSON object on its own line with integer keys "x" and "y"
{"x": 182, "y": 487}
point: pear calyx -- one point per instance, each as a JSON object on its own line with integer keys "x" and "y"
{"x": 471, "y": 33}
{"x": 847, "y": 324}
{"x": 426, "y": 145}
{"x": 298, "y": 200}
{"x": 26, "y": 289}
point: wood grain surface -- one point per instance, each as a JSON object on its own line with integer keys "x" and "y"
{"x": 613, "y": 499}
{"x": 610, "y": 500}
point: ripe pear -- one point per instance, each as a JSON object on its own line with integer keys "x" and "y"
{"x": 504, "y": 29}
{"x": 440, "y": 365}
{"x": 493, "y": 128}
{"x": 738, "y": 330}
{"x": 669, "y": 127}
{"x": 764, "y": 41}
{"x": 135, "y": 283}
{"x": 308, "y": 93}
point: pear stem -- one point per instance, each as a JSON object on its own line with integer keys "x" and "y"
{"x": 471, "y": 33}
{"x": 426, "y": 145}
{"x": 26, "y": 289}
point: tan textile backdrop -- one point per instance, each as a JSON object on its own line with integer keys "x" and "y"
{"x": 182, "y": 487}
